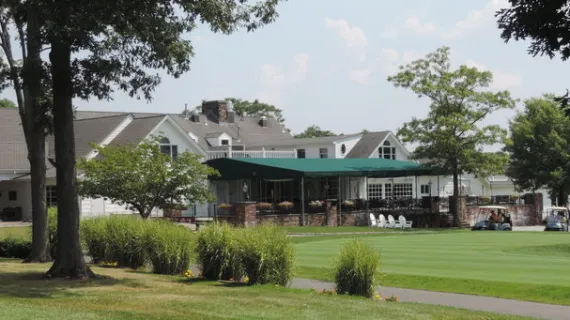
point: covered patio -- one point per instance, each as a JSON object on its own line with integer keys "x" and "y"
{"x": 310, "y": 186}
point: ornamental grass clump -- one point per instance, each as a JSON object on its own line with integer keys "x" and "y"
{"x": 356, "y": 269}
{"x": 266, "y": 255}
{"x": 169, "y": 247}
{"x": 126, "y": 243}
{"x": 216, "y": 249}
{"x": 94, "y": 237}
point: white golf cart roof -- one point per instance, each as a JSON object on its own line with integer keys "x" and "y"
{"x": 493, "y": 207}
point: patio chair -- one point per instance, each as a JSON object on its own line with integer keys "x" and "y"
{"x": 373, "y": 222}
{"x": 392, "y": 223}
{"x": 405, "y": 224}
{"x": 381, "y": 221}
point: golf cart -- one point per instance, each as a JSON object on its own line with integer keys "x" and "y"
{"x": 557, "y": 219}
{"x": 495, "y": 218}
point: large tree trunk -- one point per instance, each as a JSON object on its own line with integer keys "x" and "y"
{"x": 456, "y": 204}
{"x": 34, "y": 126}
{"x": 40, "y": 244}
{"x": 69, "y": 262}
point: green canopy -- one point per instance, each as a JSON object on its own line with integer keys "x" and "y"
{"x": 283, "y": 168}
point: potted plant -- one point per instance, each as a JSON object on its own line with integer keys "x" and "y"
{"x": 170, "y": 210}
{"x": 263, "y": 206}
{"x": 286, "y": 205}
{"x": 224, "y": 208}
{"x": 349, "y": 204}
{"x": 315, "y": 205}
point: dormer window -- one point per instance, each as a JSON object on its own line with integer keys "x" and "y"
{"x": 386, "y": 151}
{"x": 168, "y": 149}
{"x": 225, "y": 142}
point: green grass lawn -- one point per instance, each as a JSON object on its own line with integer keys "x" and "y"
{"x": 347, "y": 229}
{"x": 520, "y": 265}
{"x": 132, "y": 295}
{"x": 18, "y": 232}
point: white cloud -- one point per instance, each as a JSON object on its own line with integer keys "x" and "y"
{"x": 275, "y": 78}
{"x": 353, "y": 37}
{"x": 501, "y": 80}
{"x": 361, "y": 76}
{"x": 390, "y": 59}
{"x": 476, "y": 19}
{"x": 413, "y": 23}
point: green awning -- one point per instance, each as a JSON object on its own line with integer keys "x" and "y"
{"x": 281, "y": 168}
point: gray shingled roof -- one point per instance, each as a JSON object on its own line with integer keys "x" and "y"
{"x": 137, "y": 130}
{"x": 94, "y": 126}
{"x": 14, "y": 153}
{"x": 367, "y": 144}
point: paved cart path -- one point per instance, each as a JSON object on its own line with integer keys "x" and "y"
{"x": 476, "y": 303}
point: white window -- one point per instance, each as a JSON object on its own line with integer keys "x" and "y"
{"x": 403, "y": 191}
{"x": 51, "y": 196}
{"x": 168, "y": 149}
{"x": 225, "y": 142}
{"x": 424, "y": 188}
{"x": 387, "y": 151}
{"x": 323, "y": 153}
{"x": 375, "y": 191}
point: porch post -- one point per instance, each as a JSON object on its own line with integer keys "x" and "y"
{"x": 366, "y": 192}
{"x": 302, "y": 201}
{"x": 339, "y": 200}
{"x": 416, "y": 190}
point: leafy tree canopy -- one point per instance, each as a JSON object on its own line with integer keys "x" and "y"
{"x": 545, "y": 23}
{"x": 143, "y": 178}
{"x": 7, "y": 103}
{"x": 450, "y": 135}
{"x": 539, "y": 148}
{"x": 314, "y": 132}
{"x": 256, "y": 108}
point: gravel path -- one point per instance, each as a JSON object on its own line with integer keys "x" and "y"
{"x": 476, "y": 303}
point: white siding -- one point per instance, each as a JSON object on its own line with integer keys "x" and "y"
{"x": 23, "y": 197}
{"x": 176, "y": 137}
{"x": 348, "y": 143}
{"x": 400, "y": 153}
{"x": 313, "y": 151}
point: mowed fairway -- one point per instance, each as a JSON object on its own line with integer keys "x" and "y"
{"x": 522, "y": 265}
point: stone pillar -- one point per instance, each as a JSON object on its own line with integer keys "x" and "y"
{"x": 246, "y": 214}
{"x": 535, "y": 199}
{"x": 331, "y": 214}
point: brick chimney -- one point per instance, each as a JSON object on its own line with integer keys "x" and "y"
{"x": 216, "y": 111}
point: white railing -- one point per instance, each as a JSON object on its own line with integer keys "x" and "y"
{"x": 251, "y": 154}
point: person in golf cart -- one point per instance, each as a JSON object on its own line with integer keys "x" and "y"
{"x": 500, "y": 222}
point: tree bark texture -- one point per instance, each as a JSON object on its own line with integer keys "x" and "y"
{"x": 455, "y": 208}
{"x": 34, "y": 129}
{"x": 69, "y": 262}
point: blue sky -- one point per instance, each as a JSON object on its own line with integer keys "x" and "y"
{"x": 325, "y": 62}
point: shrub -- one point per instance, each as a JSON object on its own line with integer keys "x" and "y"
{"x": 125, "y": 237}
{"x": 15, "y": 248}
{"x": 217, "y": 252}
{"x": 356, "y": 269}
{"x": 169, "y": 247}
{"x": 266, "y": 255}
{"x": 52, "y": 231}
{"x": 94, "y": 237}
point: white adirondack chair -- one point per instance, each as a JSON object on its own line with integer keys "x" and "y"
{"x": 405, "y": 223}
{"x": 373, "y": 222}
{"x": 392, "y": 223}
{"x": 381, "y": 221}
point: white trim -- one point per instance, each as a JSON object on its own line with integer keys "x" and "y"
{"x": 406, "y": 152}
{"x": 180, "y": 130}
{"x": 112, "y": 135}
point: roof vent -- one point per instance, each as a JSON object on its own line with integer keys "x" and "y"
{"x": 194, "y": 116}
{"x": 263, "y": 121}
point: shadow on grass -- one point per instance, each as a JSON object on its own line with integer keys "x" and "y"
{"x": 31, "y": 285}
{"x": 232, "y": 284}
